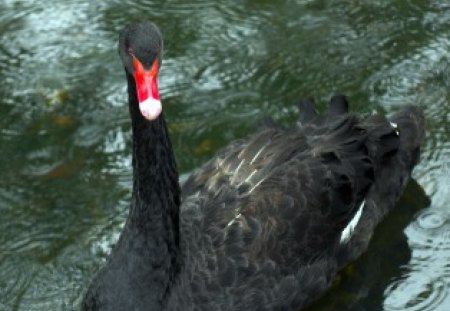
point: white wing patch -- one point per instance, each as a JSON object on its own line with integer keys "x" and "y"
{"x": 257, "y": 184}
{"x": 235, "y": 173}
{"x": 394, "y": 125}
{"x": 259, "y": 152}
{"x": 348, "y": 231}
{"x": 232, "y": 221}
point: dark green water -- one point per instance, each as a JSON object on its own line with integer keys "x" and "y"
{"x": 65, "y": 136}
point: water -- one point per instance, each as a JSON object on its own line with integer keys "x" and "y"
{"x": 65, "y": 135}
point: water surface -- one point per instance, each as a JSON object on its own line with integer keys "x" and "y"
{"x": 65, "y": 135}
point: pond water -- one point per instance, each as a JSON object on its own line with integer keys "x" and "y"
{"x": 65, "y": 174}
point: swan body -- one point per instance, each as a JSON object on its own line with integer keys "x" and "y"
{"x": 265, "y": 224}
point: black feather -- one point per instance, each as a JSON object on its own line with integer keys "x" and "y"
{"x": 307, "y": 111}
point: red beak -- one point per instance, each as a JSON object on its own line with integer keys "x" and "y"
{"x": 147, "y": 89}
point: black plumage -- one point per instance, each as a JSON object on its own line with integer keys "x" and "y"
{"x": 264, "y": 225}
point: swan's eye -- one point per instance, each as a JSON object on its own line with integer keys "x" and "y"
{"x": 130, "y": 51}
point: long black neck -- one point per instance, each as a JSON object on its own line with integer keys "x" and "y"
{"x": 153, "y": 223}
{"x": 155, "y": 176}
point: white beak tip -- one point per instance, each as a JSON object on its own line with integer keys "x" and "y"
{"x": 150, "y": 108}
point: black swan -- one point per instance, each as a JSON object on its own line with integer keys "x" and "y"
{"x": 268, "y": 222}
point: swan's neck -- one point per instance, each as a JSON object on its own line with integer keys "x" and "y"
{"x": 151, "y": 234}
{"x": 155, "y": 176}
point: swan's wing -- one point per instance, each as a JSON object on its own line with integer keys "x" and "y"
{"x": 321, "y": 170}
{"x": 249, "y": 159}
{"x": 301, "y": 190}
{"x": 304, "y": 203}
{"x": 278, "y": 231}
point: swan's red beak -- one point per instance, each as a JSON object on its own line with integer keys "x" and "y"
{"x": 147, "y": 89}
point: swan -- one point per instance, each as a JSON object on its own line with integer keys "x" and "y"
{"x": 268, "y": 222}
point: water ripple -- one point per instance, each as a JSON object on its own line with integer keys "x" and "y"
{"x": 430, "y": 219}
{"x": 412, "y": 296}
{"x": 65, "y": 132}
{"x": 424, "y": 286}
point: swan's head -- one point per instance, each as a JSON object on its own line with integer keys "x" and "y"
{"x": 140, "y": 47}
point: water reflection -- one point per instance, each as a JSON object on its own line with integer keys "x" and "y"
{"x": 64, "y": 129}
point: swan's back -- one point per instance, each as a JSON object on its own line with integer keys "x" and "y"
{"x": 267, "y": 223}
